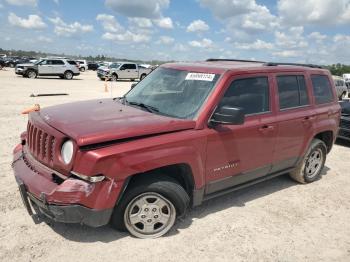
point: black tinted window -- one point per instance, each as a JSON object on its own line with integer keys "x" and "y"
{"x": 322, "y": 89}
{"x": 292, "y": 91}
{"x": 57, "y": 62}
{"x": 71, "y": 62}
{"x": 129, "y": 66}
{"x": 250, "y": 94}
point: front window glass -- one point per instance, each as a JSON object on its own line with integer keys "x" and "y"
{"x": 171, "y": 92}
{"x": 249, "y": 94}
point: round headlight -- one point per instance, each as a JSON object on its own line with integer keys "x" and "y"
{"x": 67, "y": 151}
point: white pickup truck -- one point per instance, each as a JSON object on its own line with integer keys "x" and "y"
{"x": 122, "y": 70}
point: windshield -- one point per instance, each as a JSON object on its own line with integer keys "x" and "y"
{"x": 171, "y": 92}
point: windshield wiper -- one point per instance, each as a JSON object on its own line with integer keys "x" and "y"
{"x": 151, "y": 109}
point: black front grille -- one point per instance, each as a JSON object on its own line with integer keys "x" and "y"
{"x": 41, "y": 144}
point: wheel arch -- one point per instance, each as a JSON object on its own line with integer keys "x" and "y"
{"x": 327, "y": 137}
{"x": 181, "y": 172}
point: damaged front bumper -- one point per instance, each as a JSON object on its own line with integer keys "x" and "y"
{"x": 69, "y": 200}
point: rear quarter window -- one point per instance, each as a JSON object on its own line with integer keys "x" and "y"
{"x": 322, "y": 89}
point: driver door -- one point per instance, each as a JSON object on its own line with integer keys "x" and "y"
{"x": 239, "y": 153}
{"x": 45, "y": 67}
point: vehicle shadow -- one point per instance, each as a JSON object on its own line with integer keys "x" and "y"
{"x": 106, "y": 234}
{"x": 53, "y": 78}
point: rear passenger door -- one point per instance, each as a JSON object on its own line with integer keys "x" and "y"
{"x": 58, "y": 67}
{"x": 295, "y": 119}
{"x": 239, "y": 153}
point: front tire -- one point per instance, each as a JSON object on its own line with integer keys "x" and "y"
{"x": 82, "y": 69}
{"x": 31, "y": 74}
{"x": 142, "y": 76}
{"x": 149, "y": 209}
{"x": 114, "y": 77}
{"x": 310, "y": 168}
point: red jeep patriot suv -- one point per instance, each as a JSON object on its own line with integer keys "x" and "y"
{"x": 186, "y": 133}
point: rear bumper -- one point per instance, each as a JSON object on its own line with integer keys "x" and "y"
{"x": 69, "y": 200}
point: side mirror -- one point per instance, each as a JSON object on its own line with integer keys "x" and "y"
{"x": 228, "y": 116}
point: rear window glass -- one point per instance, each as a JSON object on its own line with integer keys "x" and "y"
{"x": 292, "y": 91}
{"x": 71, "y": 62}
{"x": 322, "y": 89}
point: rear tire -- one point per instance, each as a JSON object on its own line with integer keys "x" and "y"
{"x": 149, "y": 208}
{"x": 68, "y": 75}
{"x": 82, "y": 69}
{"x": 311, "y": 166}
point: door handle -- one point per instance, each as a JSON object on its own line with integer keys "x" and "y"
{"x": 308, "y": 119}
{"x": 266, "y": 128}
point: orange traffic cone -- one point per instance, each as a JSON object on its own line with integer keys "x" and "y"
{"x": 34, "y": 108}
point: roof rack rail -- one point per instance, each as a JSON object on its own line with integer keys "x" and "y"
{"x": 233, "y": 60}
{"x": 293, "y": 64}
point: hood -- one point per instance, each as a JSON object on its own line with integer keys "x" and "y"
{"x": 27, "y": 64}
{"x": 345, "y": 108}
{"x": 104, "y": 68}
{"x": 97, "y": 121}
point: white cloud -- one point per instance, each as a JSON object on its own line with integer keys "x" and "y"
{"x": 140, "y": 22}
{"x": 109, "y": 23}
{"x": 341, "y": 38}
{"x": 204, "y": 43}
{"x": 166, "y": 40}
{"x": 242, "y": 18}
{"x": 68, "y": 30}
{"x": 45, "y": 39}
{"x": 197, "y": 26}
{"x": 293, "y": 38}
{"x": 23, "y": 2}
{"x": 257, "y": 45}
{"x": 136, "y": 8}
{"x": 288, "y": 53}
{"x": 317, "y": 36}
{"x": 325, "y": 12}
{"x": 164, "y": 22}
{"x": 33, "y": 21}
{"x": 228, "y": 8}
{"x": 127, "y": 37}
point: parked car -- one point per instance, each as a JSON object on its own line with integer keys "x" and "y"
{"x": 185, "y": 134}
{"x": 2, "y": 63}
{"x": 340, "y": 87}
{"x": 344, "y": 131}
{"x": 62, "y": 68}
{"x": 346, "y": 77}
{"x": 93, "y": 66}
{"x": 83, "y": 65}
{"x": 122, "y": 70}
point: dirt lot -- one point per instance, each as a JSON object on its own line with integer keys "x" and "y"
{"x": 277, "y": 220}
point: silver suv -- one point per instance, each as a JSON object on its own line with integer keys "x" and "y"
{"x": 123, "y": 70}
{"x": 62, "y": 68}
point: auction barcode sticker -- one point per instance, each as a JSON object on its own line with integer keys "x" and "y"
{"x": 200, "y": 77}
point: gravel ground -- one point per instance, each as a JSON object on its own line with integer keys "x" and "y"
{"x": 277, "y": 220}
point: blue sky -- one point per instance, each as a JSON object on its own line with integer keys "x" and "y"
{"x": 313, "y": 31}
